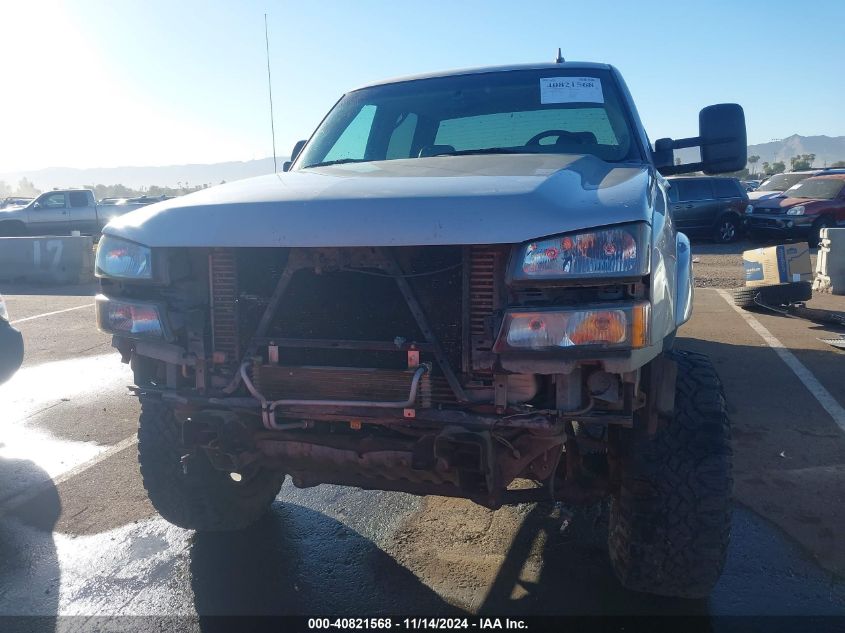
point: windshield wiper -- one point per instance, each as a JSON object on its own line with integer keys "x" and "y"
{"x": 339, "y": 161}
{"x": 485, "y": 150}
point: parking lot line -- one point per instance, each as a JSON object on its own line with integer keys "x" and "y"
{"x": 46, "y": 314}
{"x": 812, "y": 384}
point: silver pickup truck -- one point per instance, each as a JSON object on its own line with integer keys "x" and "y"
{"x": 465, "y": 284}
{"x": 61, "y": 211}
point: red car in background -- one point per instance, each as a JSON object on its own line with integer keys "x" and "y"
{"x": 801, "y": 211}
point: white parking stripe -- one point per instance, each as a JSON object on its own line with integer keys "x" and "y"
{"x": 804, "y": 375}
{"x": 46, "y": 314}
{"x": 31, "y": 493}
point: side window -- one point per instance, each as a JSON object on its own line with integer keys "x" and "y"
{"x": 724, "y": 188}
{"x": 402, "y": 138}
{"x": 692, "y": 189}
{"x": 78, "y": 198}
{"x": 353, "y": 142}
{"x": 53, "y": 201}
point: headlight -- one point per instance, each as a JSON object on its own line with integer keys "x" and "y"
{"x": 617, "y": 252}
{"x": 122, "y": 259}
{"x": 607, "y": 327}
{"x": 799, "y": 210}
{"x": 129, "y": 318}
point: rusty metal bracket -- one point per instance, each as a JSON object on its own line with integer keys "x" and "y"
{"x": 266, "y": 318}
{"x": 392, "y": 267}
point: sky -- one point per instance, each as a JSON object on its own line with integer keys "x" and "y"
{"x": 96, "y": 83}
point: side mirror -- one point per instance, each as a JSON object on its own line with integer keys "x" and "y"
{"x": 294, "y": 153}
{"x": 721, "y": 137}
{"x": 724, "y": 146}
{"x": 36, "y": 205}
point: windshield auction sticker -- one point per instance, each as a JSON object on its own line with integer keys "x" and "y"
{"x": 570, "y": 90}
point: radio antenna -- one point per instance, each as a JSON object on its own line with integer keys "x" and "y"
{"x": 270, "y": 91}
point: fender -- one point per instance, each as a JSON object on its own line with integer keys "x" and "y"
{"x": 684, "y": 277}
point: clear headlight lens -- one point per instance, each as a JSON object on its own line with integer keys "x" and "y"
{"x": 131, "y": 319}
{"x": 616, "y": 252}
{"x": 123, "y": 259}
{"x": 797, "y": 210}
{"x": 608, "y": 327}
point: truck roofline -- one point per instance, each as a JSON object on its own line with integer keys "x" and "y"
{"x": 489, "y": 69}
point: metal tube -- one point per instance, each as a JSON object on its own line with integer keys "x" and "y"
{"x": 268, "y": 408}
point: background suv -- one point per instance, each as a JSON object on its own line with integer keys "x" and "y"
{"x": 708, "y": 207}
{"x": 802, "y": 211}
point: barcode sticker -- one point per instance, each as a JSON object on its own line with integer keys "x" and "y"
{"x": 571, "y": 90}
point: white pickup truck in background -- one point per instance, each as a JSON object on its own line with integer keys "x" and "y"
{"x": 62, "y": 211}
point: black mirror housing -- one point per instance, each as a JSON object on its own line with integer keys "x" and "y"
{"x": 721, "y": 138}
{"x": 286, "y": 165}
{"x": 724, "y": 146}
{"x": 296, "y": 150}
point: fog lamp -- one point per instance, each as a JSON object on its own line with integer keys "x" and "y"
{"x": 129, "y": 318}
{"x": 608, "y": 327}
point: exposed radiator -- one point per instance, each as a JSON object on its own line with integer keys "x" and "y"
{"x": 340, "y": 383}
{"x": 486, "y": 266}
{"x": 223, "y": 289}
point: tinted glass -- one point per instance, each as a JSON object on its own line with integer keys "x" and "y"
{"x": 693, "y": 189}
{"x": 352, "y": 143}
{"x": 818, "y": 188}
{"x": 78, "y": 198}
{"x": 725, "y": 188}
{"x": 53, "y": 201}
{"x": 532, "y": 111}
{"x": 782, "y": 182}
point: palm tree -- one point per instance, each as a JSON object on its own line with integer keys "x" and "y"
{"x": 752, "y": 160}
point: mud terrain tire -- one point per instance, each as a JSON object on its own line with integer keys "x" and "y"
{"x": 670, "y": 519}
{"x": 776, "y": 295}
{"x": 204, "y": 499}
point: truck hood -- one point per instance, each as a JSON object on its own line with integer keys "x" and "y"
{"x": 763, "y": 195}
{"x": 783, "y": 203}
{"x": 484, "y": 199}
{"x": 9, "y": 212}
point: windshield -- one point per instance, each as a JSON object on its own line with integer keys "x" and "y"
{"x": 532, "y": 111}
{"x": 782, "y": 182}
{"x": 817, "y": 188}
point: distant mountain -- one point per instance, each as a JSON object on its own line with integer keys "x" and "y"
{"x": 828, "y": 149}
{"x": 136, "y": 177}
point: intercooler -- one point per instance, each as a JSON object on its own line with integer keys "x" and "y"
{"x": 343, "y": 327}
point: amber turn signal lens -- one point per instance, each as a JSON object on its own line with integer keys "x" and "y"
{"x": 607, "y": 326}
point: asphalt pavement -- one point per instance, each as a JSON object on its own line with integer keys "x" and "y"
{"x": 78, "y": 536}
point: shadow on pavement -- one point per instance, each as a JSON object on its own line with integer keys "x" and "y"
{"x": 576, "y": 577}
{"x": 297, "y": 561}
{"x": 29, "y": 566}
